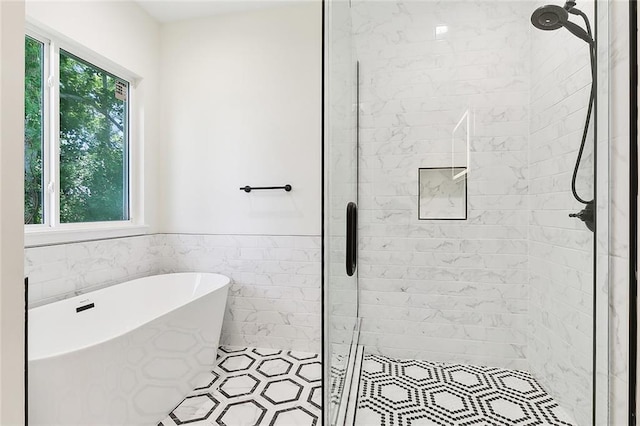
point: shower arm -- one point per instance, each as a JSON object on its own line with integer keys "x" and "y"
{"x": 576, "y": 30}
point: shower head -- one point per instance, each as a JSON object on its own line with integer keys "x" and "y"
{"x": 552, "y": 17}
{"x": 549, "y": 17}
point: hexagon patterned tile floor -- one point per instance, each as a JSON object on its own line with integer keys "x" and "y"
{"x": 421, "y": 393}
{"x": 250, "y": 387}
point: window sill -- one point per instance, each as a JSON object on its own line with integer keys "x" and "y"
{"x": 77, "y": 233}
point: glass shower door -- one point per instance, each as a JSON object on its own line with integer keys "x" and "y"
{"x": 473, "y": 260}
{"x": 340, "y": 198}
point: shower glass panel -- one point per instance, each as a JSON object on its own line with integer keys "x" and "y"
{"x": 486, "y": 314}
{"x": 340, "y": 189}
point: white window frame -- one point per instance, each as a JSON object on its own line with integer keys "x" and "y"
{"x": 52, "y": 231}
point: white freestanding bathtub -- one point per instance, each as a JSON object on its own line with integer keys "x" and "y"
{"x": 131, "y": 357}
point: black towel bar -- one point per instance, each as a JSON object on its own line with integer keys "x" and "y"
{"x": 251, "y": 188}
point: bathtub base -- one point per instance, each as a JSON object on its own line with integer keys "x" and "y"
{"x": 135, "y": 379}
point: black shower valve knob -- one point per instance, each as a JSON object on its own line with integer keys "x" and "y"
{"x": 587, "y": 215}
{"x": 582, "y": 215}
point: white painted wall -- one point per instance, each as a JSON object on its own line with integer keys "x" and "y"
{"x": 11, "y": 213}
{"x": 241, "y": 106}
{"x": 125, "y": 34}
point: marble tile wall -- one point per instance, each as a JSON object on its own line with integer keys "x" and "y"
{"x": 274, "y": 301}
{"x": 560, "y": 310}
{"x": 619, "y": 254}
{"x": 65, "y": 270}
{"x": 452, "y": 291}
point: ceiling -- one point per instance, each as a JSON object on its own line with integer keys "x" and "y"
{"x": 178, "y": 10}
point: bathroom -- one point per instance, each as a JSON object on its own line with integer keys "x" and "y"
{"x": 453, "y": 128}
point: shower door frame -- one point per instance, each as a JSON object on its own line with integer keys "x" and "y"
{"x": 326, "y": 216}
{"x": 601, "y": 347}
{"x": 633, "y": 213}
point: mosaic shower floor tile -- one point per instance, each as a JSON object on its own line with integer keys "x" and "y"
{"x": 421, "y": 393}
{"x": 337, "y": 378}
{"x": 251, "y": 387}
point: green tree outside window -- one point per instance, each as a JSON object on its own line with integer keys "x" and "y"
{"x": 93, "y": 163}
{"x": 93, "y": 129}
{"x": 33, "y": 136}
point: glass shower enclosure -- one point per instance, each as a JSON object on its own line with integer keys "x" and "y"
{"x": 341, "y": 321}
{"x": 480, "y": 291}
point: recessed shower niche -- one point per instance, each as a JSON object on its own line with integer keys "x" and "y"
{"x": 442, "y": 193}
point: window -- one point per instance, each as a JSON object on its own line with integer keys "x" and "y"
{"x": 93, "y": 143}
{"x": 77, "y": 148}
{"x": 33, "y": 130}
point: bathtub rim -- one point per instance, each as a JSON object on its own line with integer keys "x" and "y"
{"x": 96, "y": 343}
